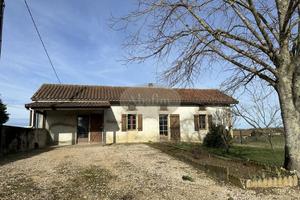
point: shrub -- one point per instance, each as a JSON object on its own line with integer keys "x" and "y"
{"x": 218, "y": 137}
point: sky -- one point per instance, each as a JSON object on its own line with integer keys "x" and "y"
{"x": 81, "y": 44}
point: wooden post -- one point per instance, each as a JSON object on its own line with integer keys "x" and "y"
{"x": 241, "y": 137}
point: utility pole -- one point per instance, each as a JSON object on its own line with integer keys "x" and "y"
{"x": 2, "y": 5}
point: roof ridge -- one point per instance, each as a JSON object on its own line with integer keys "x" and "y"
{"x": 58, "y": 92}
{"x": 118, "y": 86}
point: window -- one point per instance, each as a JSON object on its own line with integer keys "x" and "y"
{"x": 202, "y": 121}
{"x": 163, "y": 125}
{"x": 131, "y": 122}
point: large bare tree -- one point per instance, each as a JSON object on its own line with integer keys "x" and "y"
{"x": 256, "y": 38}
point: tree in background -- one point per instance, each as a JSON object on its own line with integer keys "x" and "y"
{"x": 261, "y": 111}
{"x": 258, "y": 39}
{"x": 3, "y": 113}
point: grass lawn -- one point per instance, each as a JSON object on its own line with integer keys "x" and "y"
{"x": 257, "y": 154}
{"x": 277, "y": 141}
{"x": 257, "y": 150}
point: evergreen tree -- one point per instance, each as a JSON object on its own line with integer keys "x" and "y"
{"x": 3, "y": 113}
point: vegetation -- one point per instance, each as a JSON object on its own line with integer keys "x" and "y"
{"x": 262, "y": 141}
{"x": 254, "y": 149}
{"x": 237, "y": 159}
{"x": 259, "y": 40}
{"x": 187, "y": 178}
{"x": 3, "y": 113}
{"x": 261, "y": 155}
{"x": 218, "y": 137}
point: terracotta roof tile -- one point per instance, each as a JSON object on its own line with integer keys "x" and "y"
{"x": 56, "y": 92}
{"x": 73, "y": 104}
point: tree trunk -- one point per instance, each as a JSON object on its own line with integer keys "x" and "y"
{"x": 291, "y": 121}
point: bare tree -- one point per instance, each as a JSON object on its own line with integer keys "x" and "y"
{"x": 261, "y": 111}
{"x": 259, "y": 39}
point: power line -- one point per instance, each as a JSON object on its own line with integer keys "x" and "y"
{"x": 40, "y": 37}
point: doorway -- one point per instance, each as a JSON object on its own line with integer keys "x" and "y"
{"x": 175, "y": 127}
{"x": 83, "y": 125}
{"x": 96, "y": 128}
{"x": 90, "y": 128}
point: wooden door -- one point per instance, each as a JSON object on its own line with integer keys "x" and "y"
{"x": 96, "y": 128}
{"x": 175, "y": 127}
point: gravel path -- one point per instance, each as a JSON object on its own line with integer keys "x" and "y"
{"x": 116, "y": 172}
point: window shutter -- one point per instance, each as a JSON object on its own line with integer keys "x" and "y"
{"x": 210, "y": 121}
{"x": 196, "y": 122}
{"x": 123, "y": 122}
{"x": 140, "y": 122}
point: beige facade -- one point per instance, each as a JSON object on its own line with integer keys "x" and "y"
{"x": 62, "y": 124}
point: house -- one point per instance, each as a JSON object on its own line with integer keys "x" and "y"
{"x": 102, "y": 114}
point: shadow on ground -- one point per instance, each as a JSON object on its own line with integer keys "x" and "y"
{"x": 6, "y": 159}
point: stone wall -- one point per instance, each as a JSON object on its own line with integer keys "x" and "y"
{"x": 17, "y": 139}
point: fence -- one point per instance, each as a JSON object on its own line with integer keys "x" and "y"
{"x": 17, "y": 139}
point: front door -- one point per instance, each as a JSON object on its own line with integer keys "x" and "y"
{"x": 175, "y": 127}
{"x": 96, "y": 128}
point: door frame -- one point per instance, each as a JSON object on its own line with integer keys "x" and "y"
{"x": 89, "y": 128}
{"x": 167, "y": 137}
{"x": 77, "y": 134}
{"x": 179, "y": 133}
{"x": 100, "y": 131}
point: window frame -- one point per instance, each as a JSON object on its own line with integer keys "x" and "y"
{"x": 165, "y": 124}
{"x": 202, "y": 122}
{"x": 131, "y": 122}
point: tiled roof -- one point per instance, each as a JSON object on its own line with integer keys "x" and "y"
{"x": 73, "y": 104}
{"x": 86, "y": 93}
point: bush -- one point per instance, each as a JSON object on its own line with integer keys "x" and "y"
{"x": 217, "y": 137}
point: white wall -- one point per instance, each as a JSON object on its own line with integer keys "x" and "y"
{"x": 62, "y": 125}
{"x": 112, "y": 123}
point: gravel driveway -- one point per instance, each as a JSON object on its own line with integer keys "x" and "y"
{"x": 115, "y": 172}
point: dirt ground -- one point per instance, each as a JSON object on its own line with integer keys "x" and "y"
{"x": 115, "y": 172}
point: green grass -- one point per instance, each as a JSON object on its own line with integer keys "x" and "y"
{"x": 258, "y": 154}
{"x": 187, "y": 146}
{"x": 278, "y": 142}
{"x": 257, "y": 150}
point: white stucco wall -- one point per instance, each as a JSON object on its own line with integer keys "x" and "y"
{"x": 62, "y": 125}
{"x": 112, "y": 120}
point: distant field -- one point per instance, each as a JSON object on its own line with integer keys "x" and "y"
{"x": 261, "y": 141}
{"x": 257, "y": 154}
{"x": 257, "y": 149}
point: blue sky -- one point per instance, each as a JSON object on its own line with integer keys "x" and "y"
{"x": 84, "y": 50}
